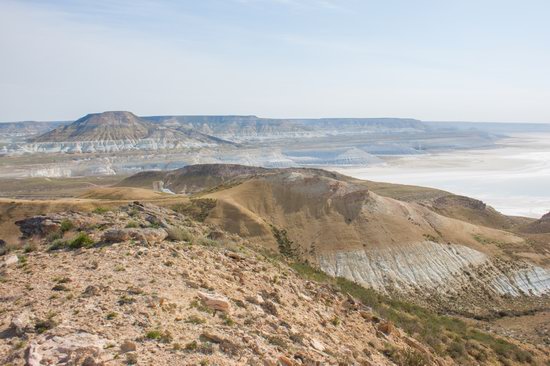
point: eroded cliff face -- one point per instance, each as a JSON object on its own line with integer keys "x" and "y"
{"x": 109, "y": 146}
{"x": 448, "y": 269}
{"x": 383, "y": 243}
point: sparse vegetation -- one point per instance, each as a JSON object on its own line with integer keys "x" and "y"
{"x": 100, "y": 210}
{"x": 178, "y": 233}
{"x": 81, "y": 240}
{"x": 286, "y": 246}
{"x": 125, "y": 299}
{"x": 42, "y": 326}
{"x": 159, "y": 335}
{"x": 30, "y": 247}
{"x": 198, "y": 209}
{"x": 193, "y": 319}
{"x": 421, "y": 323}
{"x": 208, "y": 242}
{"x": 66, "y": 225}
{"x": 430, "y": 237}
{"x": 191, "y": 346}
{"x": 227, "y": 320}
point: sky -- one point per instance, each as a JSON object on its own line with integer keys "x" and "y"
{"x": 468, "y": 60}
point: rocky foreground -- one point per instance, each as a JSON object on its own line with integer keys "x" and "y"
{"x": 149, "y": 286}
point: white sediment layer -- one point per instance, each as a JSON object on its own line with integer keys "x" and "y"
{"x": 103, "y": 146}
{"x": 434, "y": 266}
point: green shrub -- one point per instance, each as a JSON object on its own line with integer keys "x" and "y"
{"x": 286, "y": 246}
{"x": 66, "y": 225}
{"x": 30, "y": 247}
{"x": 177, "y": 233}
{"x": 43, "y": 325}
{"x": 208, "y": 242}
{"x": 58, "y": 244}
{"x": 456, "y": 350}
{"x": 227, "y": 320}
{"x": 158, "y": 335}
{"x": 82, "y": 240}
{"x": 191, "y": 346}
{"x": 100, "y": 210}
{"x": 132, "y": 224}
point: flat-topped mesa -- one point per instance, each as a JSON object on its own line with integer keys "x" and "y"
{"x": 114, "y": 125}
{"x": 117, "y": 131}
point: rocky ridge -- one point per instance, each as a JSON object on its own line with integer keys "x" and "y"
{"x": 129, "y": 295}
{"x": 143, "y": 284}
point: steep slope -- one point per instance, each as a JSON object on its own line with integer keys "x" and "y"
{"x": 169, "y": 302}
{"x": 390, "y": 245}
{"x": 145, "y": 285}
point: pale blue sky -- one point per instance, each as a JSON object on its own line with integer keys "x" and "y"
{"x": 483, "y": 60}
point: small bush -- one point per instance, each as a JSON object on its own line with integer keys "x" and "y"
{"x": 177, "y": 233}
{"x": 54, "y": 236}
{"x": 66, "y": 225}
{"x": 286, "y": 246}
{"x": 158, "y": 335}
{"x": 58, "y": 244}
{"x": 100, "y": 210}
{"x": 208, "y": 242}
{"x": 413, "y": 358}
{"x": 82, "y": 240}
{"x": 30, "y": 247}
{"x": 457, "y": 350}
{"x": 227, "y": 320}
{"x": 193, "y": 319}
{"x": 124, "y": 300}
{"x": 60, "y": 287}
{"x": 42, "y": 326}
{"x": 131, "y": 225}
{"x": 191, "y": 346}
{"x": 277, "y": 341}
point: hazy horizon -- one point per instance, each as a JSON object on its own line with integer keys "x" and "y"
{"x": 430, "y": 60}
{"x": 272, "y": 117}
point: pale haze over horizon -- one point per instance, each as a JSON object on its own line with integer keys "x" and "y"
{"x": 431, "y": 60}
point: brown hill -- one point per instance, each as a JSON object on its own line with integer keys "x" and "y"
{"x": 398, "y": 246}
{"x": 193, "y": 178}
{"x": 541, "y": 226}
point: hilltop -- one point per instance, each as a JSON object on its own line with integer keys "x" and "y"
{"x": 117, "y": 131}
{"x": 414, "y": 242}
